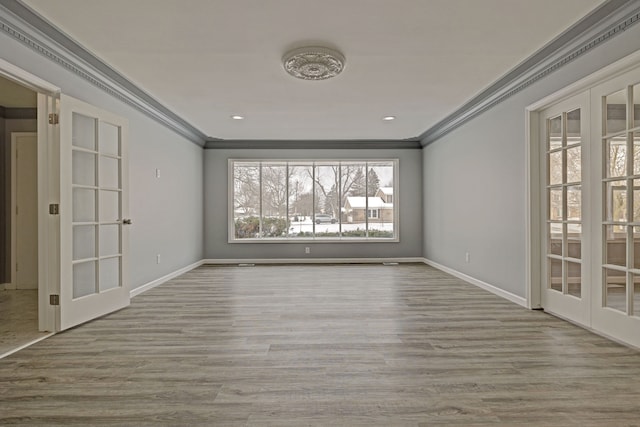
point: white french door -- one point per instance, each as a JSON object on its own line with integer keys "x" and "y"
{"x": 564, "y": 130}
{"x": 590, "y": 209}
{"x": 616, "y": 143}
{"x": 93, "y": 211}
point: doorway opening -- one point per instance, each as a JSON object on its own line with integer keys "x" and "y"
{"x": 19, "y": 287}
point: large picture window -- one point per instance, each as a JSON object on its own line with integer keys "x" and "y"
{"x": 292, "y": 200}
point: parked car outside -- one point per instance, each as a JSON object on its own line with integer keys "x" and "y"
{"x": 320, "y": 218}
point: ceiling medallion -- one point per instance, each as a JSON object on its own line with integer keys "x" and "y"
{"x": 313, "y": 63}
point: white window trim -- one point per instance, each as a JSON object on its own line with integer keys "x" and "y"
{"x": 281, "y": 240}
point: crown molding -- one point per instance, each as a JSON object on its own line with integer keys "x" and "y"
{"x": 21, "y": 23}
{"x": 29, "y": 28}
{"x": 602, "y": 24}
{"x": 312, "y": 144}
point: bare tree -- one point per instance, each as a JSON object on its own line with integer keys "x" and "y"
{"x": 338, "y": 177}
{"x": 246, "y": 189}
{"x": 274, "y": 190}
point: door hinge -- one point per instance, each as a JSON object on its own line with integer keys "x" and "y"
{"x": 54, "y": 299}
{"x": 54, "y": 209}
{"x": 53, "y": 119}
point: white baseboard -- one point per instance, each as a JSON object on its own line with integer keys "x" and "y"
{"x": 313, "y": 261}
{"x": 479, "y": 283}
{"x": 4, "y": 286}
{"x": 161, "y": 280}
{"x": 486, "y": 286}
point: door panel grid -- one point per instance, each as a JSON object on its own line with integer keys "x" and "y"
{"x": 96, "y": 206}
{"x": 93, "y": 166}
{"x": 621, "y": 197}
{"x": 564, "y": 202}
{"x": 602, "y": 181}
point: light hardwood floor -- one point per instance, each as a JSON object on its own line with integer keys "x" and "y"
{"x": 340, "y": 345}
{"x": 18, "y": 319}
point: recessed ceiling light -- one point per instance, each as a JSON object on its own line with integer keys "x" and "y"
{"x": 237, "y": 117}
{"x": 388, "y": 118}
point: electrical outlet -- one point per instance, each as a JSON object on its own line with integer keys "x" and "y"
{"x": 158, "y": 259}
{"x": 307, "y": 250}
{"x": 467, "y": 257}
{"x": 157, "y": 173}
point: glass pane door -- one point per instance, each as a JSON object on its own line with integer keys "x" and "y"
{"x": 566, "y": 290}
{"x": 96, "y": 206}
{"x": 93, "y": 205}
{"x": 617, "y": 306}
{"x": 564, "y": 199}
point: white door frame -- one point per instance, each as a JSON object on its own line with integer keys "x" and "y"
{"x": 14, "y": 202}
{"x": 535, "y": 224}
{"x": 48, "y": 191}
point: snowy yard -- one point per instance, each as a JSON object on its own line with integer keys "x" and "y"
{"x": 307, "y": 225}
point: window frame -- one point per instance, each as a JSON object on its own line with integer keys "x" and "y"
{"x": 314, "y": 239}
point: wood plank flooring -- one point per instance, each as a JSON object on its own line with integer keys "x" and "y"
{"x": 339, "y": 345}
{"x": 18, "y": 319}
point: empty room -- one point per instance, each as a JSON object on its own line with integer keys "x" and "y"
{"x": 292, "y": 213}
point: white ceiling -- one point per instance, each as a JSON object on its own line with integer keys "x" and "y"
{"x": 418, "y": 60}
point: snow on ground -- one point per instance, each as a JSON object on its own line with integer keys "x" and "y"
{"x": 307, "y": 226}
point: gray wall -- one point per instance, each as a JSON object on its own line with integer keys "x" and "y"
{"x": 474, "y": 180}
{"x": 167, "y": 212}
{"x": 216, "y": 208}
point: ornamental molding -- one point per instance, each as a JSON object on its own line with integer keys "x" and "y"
{"x": 607, "y": 21}
{"x": 313, "y": 63}
{"x": 23, "y": 25}
{"x": 604, "y": 23}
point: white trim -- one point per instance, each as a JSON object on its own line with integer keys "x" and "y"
{"x": 318, "y": 240}
{"x": 237, "y": 261}
{"x": 163, "y": 279}
{"x": 48, "y": 225}
{"x": 611, "y": 71}
{"x": 605, "y": 22}
{"x": 312, "y": 260}
{"x": 532, "y": 217}
{"x": 312, "y": 163}
{"x": 26, "y": 79}
{"x": 479, "y": 283}
{"x": 30, "y": 343}
{"x": 19, "y": 22}
{"x": 13, "y": 238}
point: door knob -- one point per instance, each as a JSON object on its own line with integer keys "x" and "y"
{"x": 127, "y": 221}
